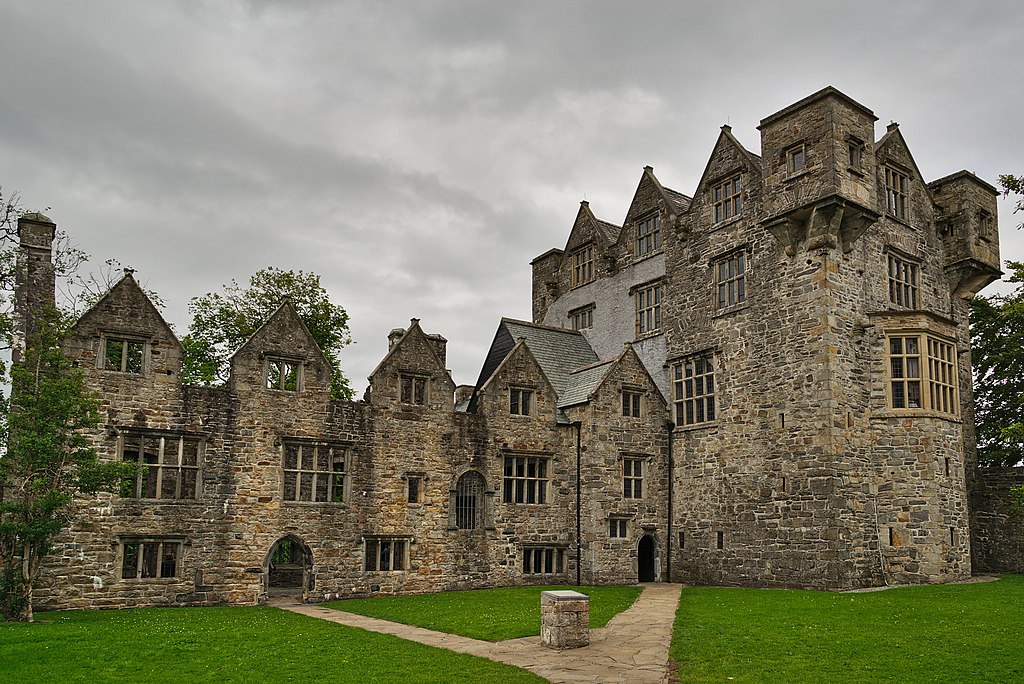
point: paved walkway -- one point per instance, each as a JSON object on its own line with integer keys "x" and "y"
{"x": 632, "y": 648}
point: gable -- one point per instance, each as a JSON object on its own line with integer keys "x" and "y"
{"x": 588, "y": 229}
{"x": 412, "y": 355}
{"x": 282, "y": 339}
{"x": 892, "y": 150}
{"x": 519, "y": 369}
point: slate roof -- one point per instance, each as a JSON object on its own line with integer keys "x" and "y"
{"x": 609, "y": 231}
{"x": 679, "y": 201}
{"x": 583, "y": 382}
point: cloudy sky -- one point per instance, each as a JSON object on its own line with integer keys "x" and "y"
{"x": 418, "y": 155}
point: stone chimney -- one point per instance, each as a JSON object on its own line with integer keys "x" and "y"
{"x": 393, "y": 337}
{"x": 34, "y": 277}
{"x": 440, "y": 347}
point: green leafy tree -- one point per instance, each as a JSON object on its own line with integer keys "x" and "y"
{"x": 223, "y": 321}
{"x": 1013, "y": 185}
{"x": 47, "y": 460}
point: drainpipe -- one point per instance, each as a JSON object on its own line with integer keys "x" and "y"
{"x": 579, "y": 487}
{"x": 669, "y": 426}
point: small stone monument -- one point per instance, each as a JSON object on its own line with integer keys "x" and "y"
{"x": 564, "y": 619}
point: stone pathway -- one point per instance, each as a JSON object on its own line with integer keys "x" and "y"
{"x": 632, "y": 648}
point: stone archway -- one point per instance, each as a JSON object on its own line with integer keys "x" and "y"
{"x": 288, "y": 567}
{"x": 646, "y": 552}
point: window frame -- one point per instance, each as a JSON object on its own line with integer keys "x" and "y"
{"x": 127, "y": 342}
{"x": 632, "y": 402}
{"x": 855, "y": 154}
{"x": 526, "y": 479}
{"x": 334, "y": 493}
{"x": 897, "y": 186}
{"x": 647, "y": 234}
{"x": 582, "y": 318}
{"x": 581, "y": 262}
{"x": 274, "y": 365}
{"x": 647, "y": 299}
{"x": 633, "y": 477}
{"x": 159, "y": 468}
{"x": 521, "y": 401}
{"x": 160, "y": 565}
{"x": 618, "y": 527}
{"x": 391, "y": 551}
{"x": 703, "y": 404}
{"x": 903, "y": 275}
{"x": 538, "y": 558}
{"x": 726, "y": 199}
{"x": 413, "y": 389}
{"x": 937, "y": 380}
{"x": 468, "y": 516}
{"x": 733, "y": 282}
{"x": 796, "y": 159}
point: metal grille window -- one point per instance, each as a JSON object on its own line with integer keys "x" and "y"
{"x": 385, "y": 554}
{"x": 632, "y": 478}
{"x": 543, "y": 560}
{"x": 469, "y": 497}
{"x": 693, "y": 390}
{"x": 648, "y": 235}
{"x": 897, "y": 189}
{"x": 731, "y": 278}
{"x": 283, "y": 374}
{"x": 315, "y": 472}
{"x": 123, "y": 355}
{"x": 913, "y": 366}
{"x": 631, "y": 404}
{"x": 169, "y": 465}
{"x": 726, "y": 199}
{"x": 413, "y": 389}
{"x": 648, "y": 309}
{"x": 526, "y": 480}
{"x": 149, "y": 558}
{"x": 583, "y": 266}
{"x": 904, "y": 279}
{"x": 519, "y": 401}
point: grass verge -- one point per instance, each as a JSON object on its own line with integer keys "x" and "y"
{"x": 947, "y": 633}
{"x": 224, "y": 645}
{"x": 487, "y": 614}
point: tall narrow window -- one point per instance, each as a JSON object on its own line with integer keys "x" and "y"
{"x": 855, "y": 153}
{"x": 904, "y": 278}
{"x": 693, "y": 390}
{"x": 122, "y": 354}
{"x": 648, "y": 235}
{"x": 413, "y": 389}
{"x": 942, "y": 377}
{"x": 731, "y": 279}
{"x": 726, "y": 200}
{"x": 905, "y": 371}
{"x": 169, "y": 465}
{"x": 582, "y": 266}
{"x": 315, "y": 472}
{"x": 796, "y": 159}
{"x": 526, "y": 480}
{"x": 648, "y": 310}
{"x": 632, "y": 478}
{"x": 469, "y": 494}
{"x": 414, "y": 489}
{"x": 897, "y": 189}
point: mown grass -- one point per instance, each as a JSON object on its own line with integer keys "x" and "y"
{"x": 949, "y": 633}
{"x": 224, "y": 645}
{"x": 487, "y": 614}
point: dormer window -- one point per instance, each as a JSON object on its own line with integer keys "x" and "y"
{"x": 726, "y": 200}
{"x": 283, "y": 374}
{"x": 583, "y": 266}
{"x": 648, "y": 235}
{"x": 123, "y": 355}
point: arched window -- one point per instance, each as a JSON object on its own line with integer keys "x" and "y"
{"x": 469, "y": 501}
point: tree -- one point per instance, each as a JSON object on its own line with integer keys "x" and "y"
{"x": 223, "y": 321}
{"x": 48, "y": 460}
{"x": 1015, "y": 185}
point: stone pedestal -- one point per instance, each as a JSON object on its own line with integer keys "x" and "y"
{"x": 564, "y": 619}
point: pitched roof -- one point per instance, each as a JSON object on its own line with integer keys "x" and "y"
{"x": 679, "y": 201}
{"x": 583, "y": 382}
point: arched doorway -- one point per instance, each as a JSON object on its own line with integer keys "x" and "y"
{"x": 645, "y": 554}
{"x": 288, "y": 568}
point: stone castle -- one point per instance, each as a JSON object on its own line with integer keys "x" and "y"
{"x": 766, "y": 383}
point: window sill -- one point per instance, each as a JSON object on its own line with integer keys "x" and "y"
{"x": 793, "y": 176}
{"x": 333, "y": 504}
{"x": 729, "y": 310}
{"x": 697, "y": 426}
{"x": 648, "y": 335}
{"x": 855, "y": 171}
{"x": 727, "y": 222}
{"x": 889, "y": 414}
{"x": 149, "y": 500}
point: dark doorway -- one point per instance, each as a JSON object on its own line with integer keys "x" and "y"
{"x": 288, "y": 566}
{"x": 645, "y": 559}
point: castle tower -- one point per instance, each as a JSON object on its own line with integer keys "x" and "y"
{"x": 34, "y": 277}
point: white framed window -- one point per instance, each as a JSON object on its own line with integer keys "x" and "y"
{"x": 582, "y": 318}
{"x": 648, "y": 235}
{"x": 315, "y": 472}
{"x": 693, "y": 389}
{"x": 726, "y": 199}
{"x": 904, "y": 281}
{"x": 145, "y": 558}
{"x": 283, "y": 374}
{"x": 169, "y": 465}
{"x": 731, "y": 280}
{"x": 632, "y": 478}
{"x": 897, "y": 191}
{"x": 123, "y": 354}
{"x": 525, "y": 480}
{"x": 582, "y": 266}
{"x": 648, "y": 309}
{"x": 543, "y": 560}
{"x": 923, "y": 373}
{"x": 385, "y": 554}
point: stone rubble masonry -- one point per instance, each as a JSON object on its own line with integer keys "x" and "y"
{"x": 805, "y": 478}
{"x": 564, "y": 619}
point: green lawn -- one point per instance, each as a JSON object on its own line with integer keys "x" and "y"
{"x": 949, "y": 633}
{"x": 488, "y": 614}
{"x": 224, "y": 645}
